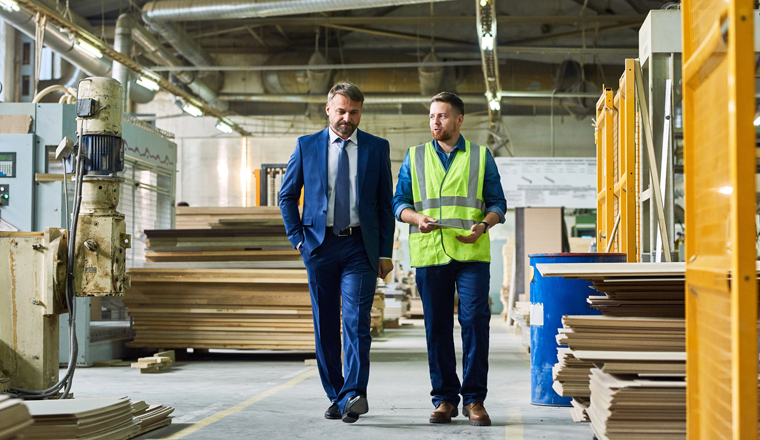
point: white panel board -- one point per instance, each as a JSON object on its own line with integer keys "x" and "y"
{"x": 548, "y": 182}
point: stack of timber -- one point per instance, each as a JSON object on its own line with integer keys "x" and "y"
{"x": 521, "y": 315}
{"x": 377, "y": 313}
{"x": 151, "y": 417}
{"x": 158, "y": 363}
{"x": 14, "y": 417}
{"x": 203, "y": 217}
{"x": 221, "y": 308}
{"x": 98, "y": 418}
{"x": 396, "y": 300}
{"x": 629, "y": 407}
{"x": 630, "y": 289}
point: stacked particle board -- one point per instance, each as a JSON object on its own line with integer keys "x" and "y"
{"x": 396, "y": 300}
{"x": 378, "y": 314}
{"x": 632, "y": 408}
{"x": 521, "y": 315}
{"x": 151, "y": 417}
{"x": 570, "y": 375}
{"x": 14, "y": 417}
{"x": 629, "y": 289}
{"x": 254, "y": 236}
{"x": 203, "y": 217}
{"x": 220, "y": 308}
{"x": 610, "y": 333}
{"x": 98, "y": 418}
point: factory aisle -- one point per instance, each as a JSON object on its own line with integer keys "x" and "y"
{"x": 281, "y": 399}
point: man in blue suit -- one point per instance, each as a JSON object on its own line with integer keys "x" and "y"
{"x": 345, "y": 238}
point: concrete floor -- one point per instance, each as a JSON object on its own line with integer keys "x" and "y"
{"x": 278, "y": 397}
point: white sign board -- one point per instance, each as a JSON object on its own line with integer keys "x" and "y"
{"x": 548, "y": 182}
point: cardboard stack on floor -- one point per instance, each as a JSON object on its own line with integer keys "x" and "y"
{"x": 112, "y": 418}
{"x": 639, "y": 338}
{"x": 236, "y": 284}
{"x": 14, "y": 417}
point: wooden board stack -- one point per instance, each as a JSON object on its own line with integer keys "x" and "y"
{"x": 631, "y": 408}
{"x": 221, "y": 308}
{"x": 233, "y": 282}
{"x": 151, "y": 417}
{"x": 102, "y": 418}
{"x": 158, "y": 363}
{"x": 14, "y": 417}
{"x": 201, "y": 217}
{"x": 377, "y": 313}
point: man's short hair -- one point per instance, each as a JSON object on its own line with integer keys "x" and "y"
{"x": 456, "y": 103}
{"x": 348, "y": 90}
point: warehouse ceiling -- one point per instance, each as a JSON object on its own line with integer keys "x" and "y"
{"x": 542, "y": 46}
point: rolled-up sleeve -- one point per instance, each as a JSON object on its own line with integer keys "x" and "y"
{"x": 493, "y": 192}
{"x": 404, "y": 197}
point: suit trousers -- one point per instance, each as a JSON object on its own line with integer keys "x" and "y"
{"x": 340, "y": 274}
{"x": 437, "y": 285}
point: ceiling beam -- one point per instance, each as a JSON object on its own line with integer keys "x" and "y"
{"x": 590, "y": 30}
{"x": 399, "y": 35}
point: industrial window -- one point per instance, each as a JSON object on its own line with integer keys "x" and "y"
{"x": 26, "y": 54}
{"x": 25, "y": 85}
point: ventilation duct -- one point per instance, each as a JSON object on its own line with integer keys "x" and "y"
{"x": 319, "y": 85}
{"x": 430, "y": 77}
{"x": 195, "y": 10}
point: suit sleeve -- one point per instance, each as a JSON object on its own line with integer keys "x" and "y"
{"x": 385, "y": 204}
{"x": 290, "y": 194}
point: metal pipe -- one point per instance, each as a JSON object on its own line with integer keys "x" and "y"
{"x": 316, "y": 67}
{"x": 123, "y": 45}
{"x": 195, "y": 10}
{"x": 58, "y": 41}
{"x": 506, "y": 96}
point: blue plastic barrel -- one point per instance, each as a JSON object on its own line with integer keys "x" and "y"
{"x": 550, "y": 299}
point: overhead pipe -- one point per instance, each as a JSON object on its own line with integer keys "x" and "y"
{"x": 58, "y": 41}
{"x": 157, "y": 53}
{"x": 123, "y": 44}
{"x": 508, "y": 97}
{"x": 196, "y": 10}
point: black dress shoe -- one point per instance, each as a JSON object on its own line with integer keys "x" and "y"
{"x": 356, "y": 406}
{"x": 333, "y": 412}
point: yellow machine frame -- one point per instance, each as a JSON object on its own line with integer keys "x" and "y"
{"x": 616, "y": 148}
{"x": 719, "y": 156}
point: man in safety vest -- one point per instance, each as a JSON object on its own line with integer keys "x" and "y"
{"x": 450, "y": 193}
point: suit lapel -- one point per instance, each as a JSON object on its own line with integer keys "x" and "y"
{"x": 362, "y": 157}
{"x": 322, "y": 141}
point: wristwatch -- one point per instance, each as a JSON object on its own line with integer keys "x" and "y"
{"x": 487, "y": 226}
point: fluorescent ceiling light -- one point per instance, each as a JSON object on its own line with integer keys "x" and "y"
{"x": 494, "y": 105}
{"x": 148, "y": 83}
{"x": 9, "y": 5}
{"x": 192, "y": 110}
{"x": 486, "y": 42}
{"x": 223, "y": 127}
{"x": 89, "y": 48}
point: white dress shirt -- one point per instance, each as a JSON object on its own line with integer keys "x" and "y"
{"x": 333, "y": 155}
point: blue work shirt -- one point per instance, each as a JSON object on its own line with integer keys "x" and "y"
{"x": 493, "y": 193}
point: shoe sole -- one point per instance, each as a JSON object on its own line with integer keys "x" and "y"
{"x": 476, "y": 422}
{"x": 335, "y": 417}
{"x": 358, "y": 408}
{"x": 453, "y": 414}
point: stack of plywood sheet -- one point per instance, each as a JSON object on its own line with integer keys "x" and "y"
{"x": 96, "y": 418}
{"x": 253, "y": 237}
{"x": 630, "y": 289}
{"x": 598, "y": 332}
{"x": 203, "y": 217}
{"x": 629, "y": 407}
{"x": 14, "y": 417}
{"x": 571, "y": 375}
{"x": 151, "y": 417}
{"x": 377, "y": 325}
{"x": 220, "y": 308}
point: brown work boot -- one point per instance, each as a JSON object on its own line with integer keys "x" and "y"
{"x": 443, "y": 413}
{"x": 477, "y": 414}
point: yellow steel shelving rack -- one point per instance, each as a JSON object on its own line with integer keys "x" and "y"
{"x": 719, "y": 163}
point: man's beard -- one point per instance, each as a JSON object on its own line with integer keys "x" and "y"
{"x": 344, "y": 128}
{"x": 443, "y": 135}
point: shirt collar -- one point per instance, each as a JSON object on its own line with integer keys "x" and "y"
{"x": 459, "y": 146}
{"x": 334, "y": 136}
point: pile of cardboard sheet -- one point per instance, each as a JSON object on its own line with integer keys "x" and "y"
{"x": 96, "y": 418}
{"x": 14, "y": 417}
{"x": 220, "y": 308}
{"x": 633, "y": 408}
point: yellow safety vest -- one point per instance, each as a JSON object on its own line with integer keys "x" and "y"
{"x": 454, "y": 198}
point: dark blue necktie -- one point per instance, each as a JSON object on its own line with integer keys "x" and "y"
{"x": 342, "y": 212}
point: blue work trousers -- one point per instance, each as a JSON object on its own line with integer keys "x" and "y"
{"x": 437, "y": 285}
{"x": 339, "y": 268}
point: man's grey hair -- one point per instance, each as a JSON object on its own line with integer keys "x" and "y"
{"x": 348, "y": 90}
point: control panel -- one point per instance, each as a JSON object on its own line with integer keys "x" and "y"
{"x": 7, "y": 164}
{"x": 4, "y": 195}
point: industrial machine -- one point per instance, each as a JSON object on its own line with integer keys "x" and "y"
{"x": 69, "y": 267}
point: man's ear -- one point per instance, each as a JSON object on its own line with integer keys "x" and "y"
{"x": 327, "y": 108}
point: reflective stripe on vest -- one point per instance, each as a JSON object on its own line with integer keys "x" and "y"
{"x": 454, "y": 198}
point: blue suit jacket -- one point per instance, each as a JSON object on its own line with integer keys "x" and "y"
{"x": 307, "y": 169}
